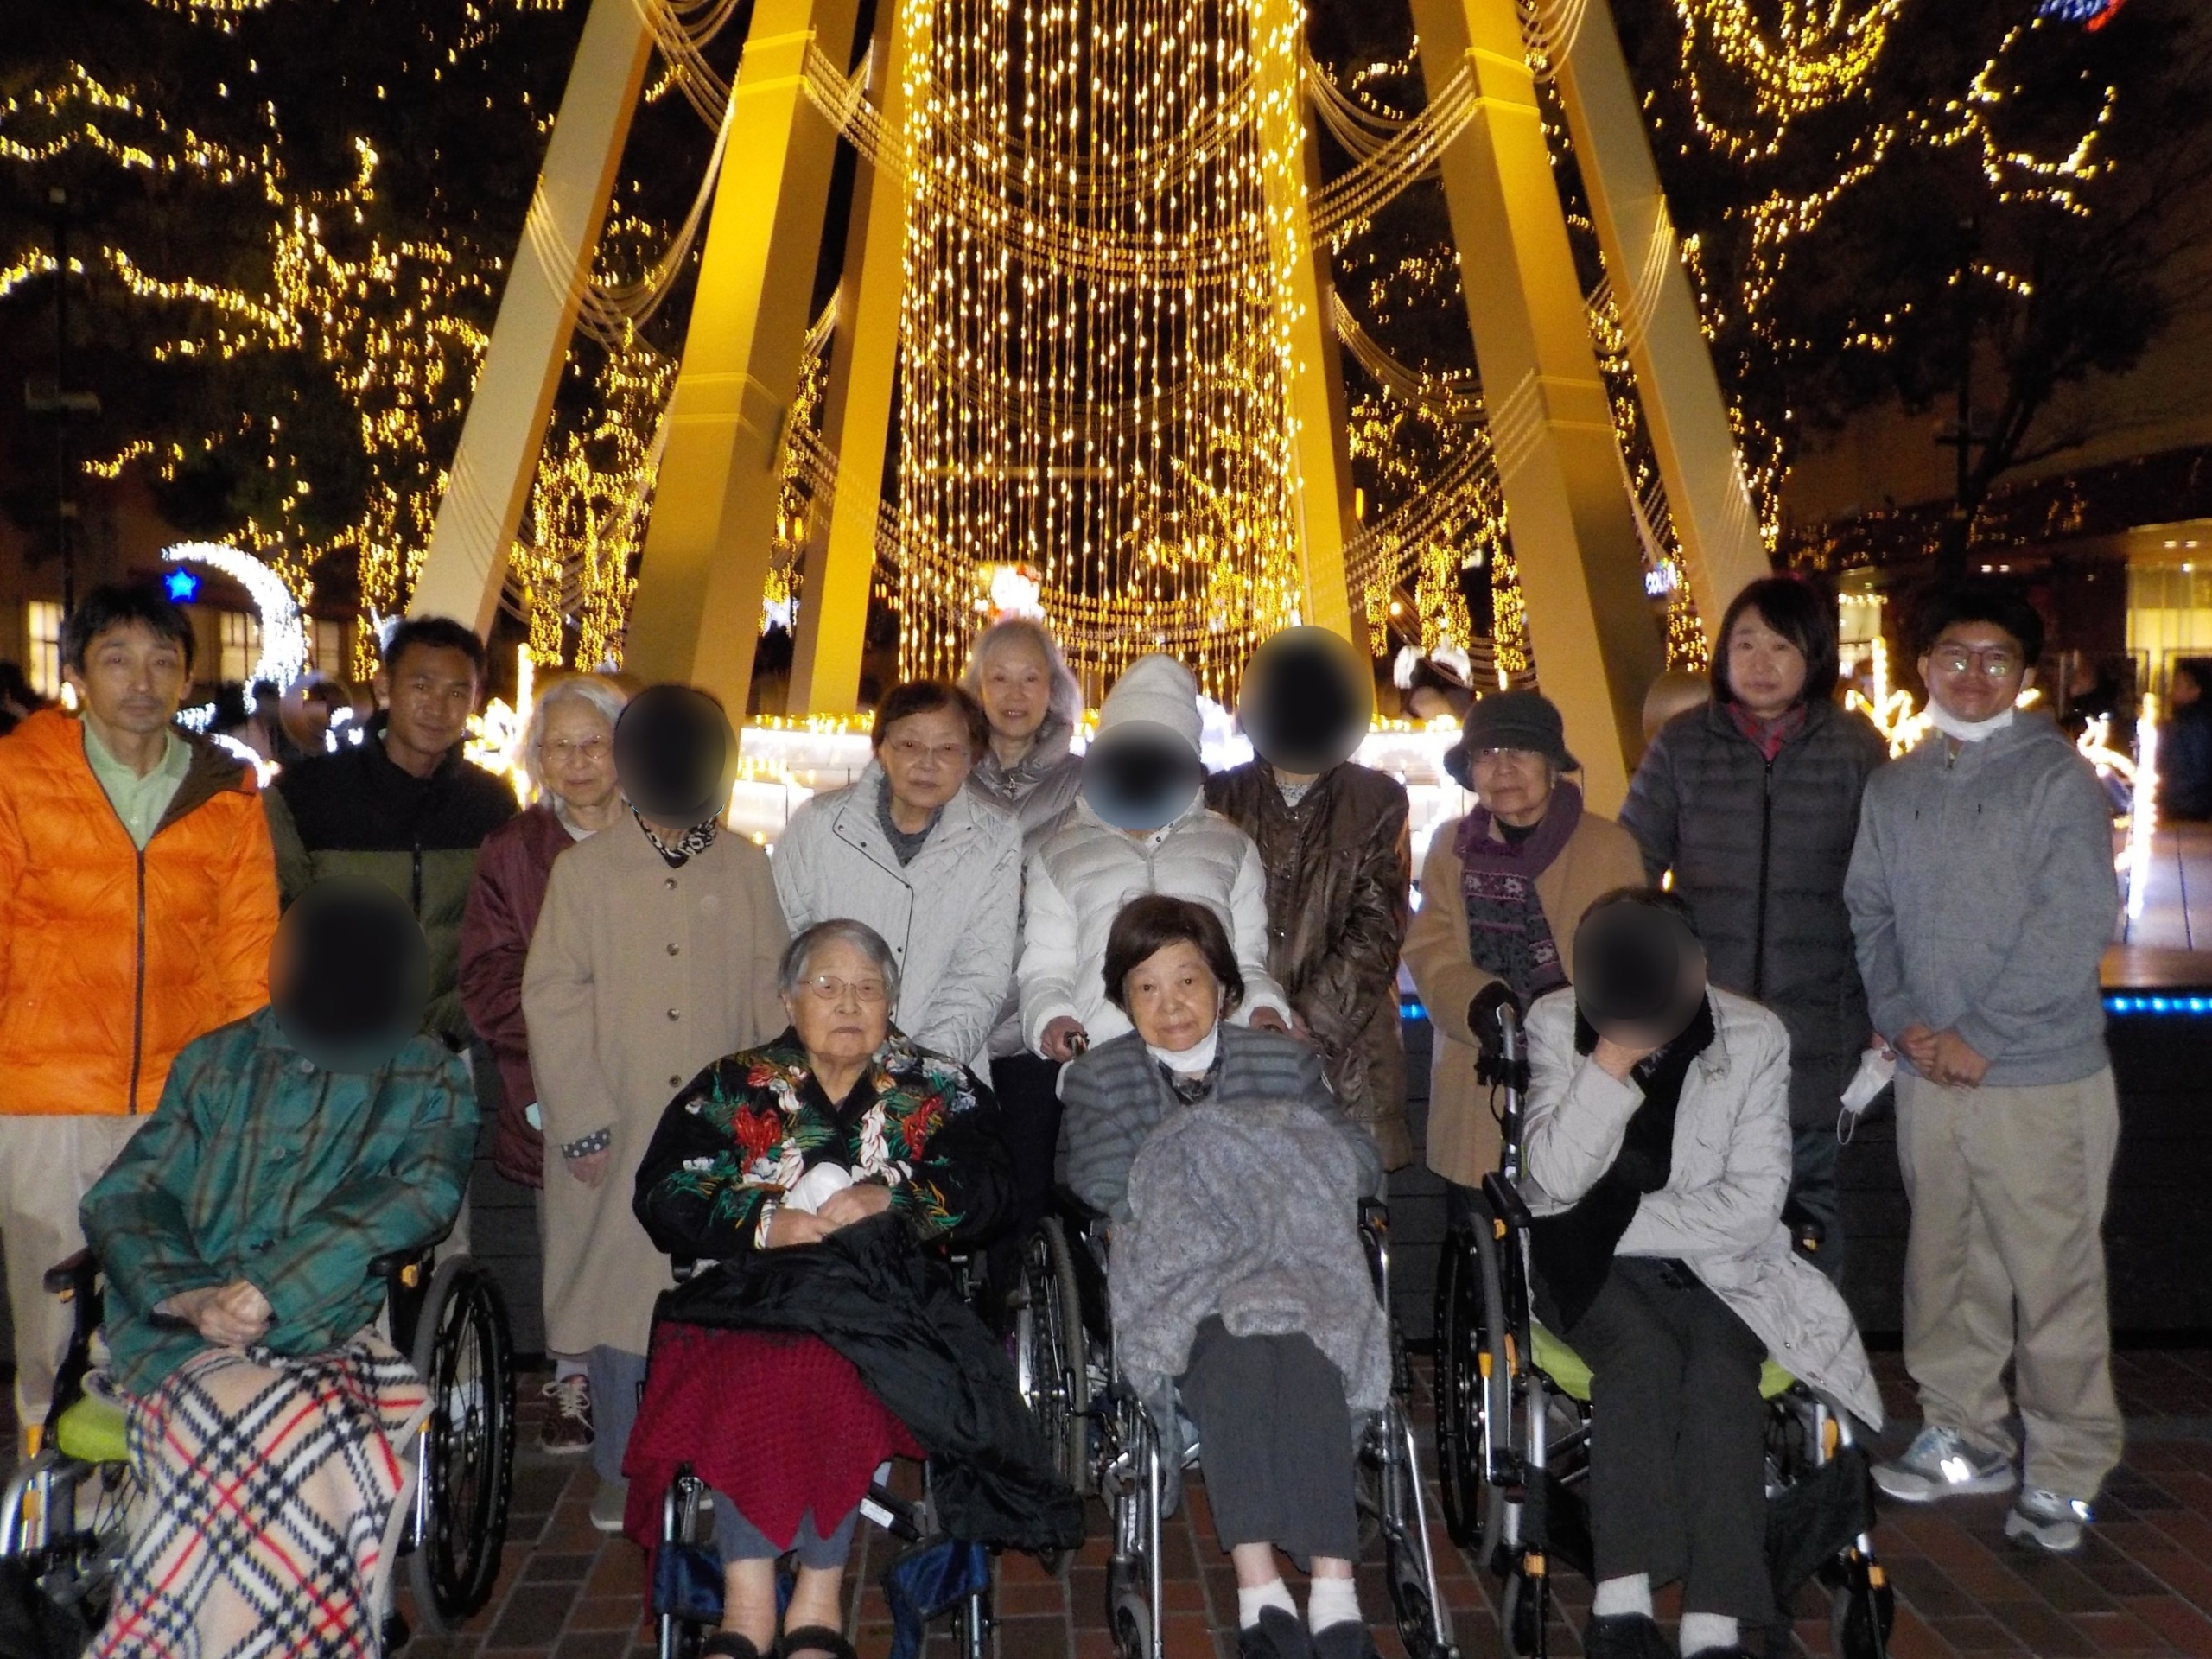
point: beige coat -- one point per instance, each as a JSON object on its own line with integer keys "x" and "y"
{"x": 1600, "y": 855}
{"x": 639, "y": 976}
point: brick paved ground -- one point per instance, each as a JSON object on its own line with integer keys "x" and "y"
{"x": 2143, "y": 1587}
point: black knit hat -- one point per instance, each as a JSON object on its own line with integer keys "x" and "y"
{"x": 1510, "y": 719}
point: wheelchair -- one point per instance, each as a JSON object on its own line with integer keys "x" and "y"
{"x": 65, "y": 1515}
{"x": 1513, "y": 1427}
{"x": 1110, "y": 1447}
{"x": 686, "y": 1593}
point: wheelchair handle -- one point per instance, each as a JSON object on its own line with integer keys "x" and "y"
{"x": 1505, "y": 1201}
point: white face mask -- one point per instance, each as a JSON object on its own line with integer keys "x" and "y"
{"x": 1192, "y": 1060}
{"x": 1965, "y": 731}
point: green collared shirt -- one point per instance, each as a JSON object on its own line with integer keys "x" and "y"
{"x": 261, "y": 1166}
{"x": 139, "y": 802}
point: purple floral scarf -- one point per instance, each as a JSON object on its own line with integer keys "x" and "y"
{"x": 1507, "y": 933}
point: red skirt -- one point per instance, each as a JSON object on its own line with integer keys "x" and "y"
{"x": 779, "y": 1424}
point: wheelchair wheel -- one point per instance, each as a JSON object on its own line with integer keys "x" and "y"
{"x": 1473, "y": 1386}
{"x": 465, "y": 1356}
{"x": 1049, "y": 1351}
{"x": 1861, "y": 1613}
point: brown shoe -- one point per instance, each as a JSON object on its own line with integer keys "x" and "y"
{"x": 567, "y": 1421}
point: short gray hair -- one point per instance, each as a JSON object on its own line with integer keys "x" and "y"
{"x": 791, "y": 972}
{"x": 1066, "y": 697}
{"x": 596, "y": 689}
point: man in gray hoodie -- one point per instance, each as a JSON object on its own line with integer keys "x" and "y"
{"x": 1982, "y": 896}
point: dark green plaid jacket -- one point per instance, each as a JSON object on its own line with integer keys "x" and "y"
{"x": 259, "y": 1165}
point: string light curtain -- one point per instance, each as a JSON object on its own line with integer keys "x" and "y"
{"x": 1095, "y": 351}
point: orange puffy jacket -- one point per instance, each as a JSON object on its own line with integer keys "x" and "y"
{"x": 111, "y": 959}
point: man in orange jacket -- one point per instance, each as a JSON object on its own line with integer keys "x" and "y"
{"x": 137, "y": 902}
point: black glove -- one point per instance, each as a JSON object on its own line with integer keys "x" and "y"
{"x": 1482, "y": 1016}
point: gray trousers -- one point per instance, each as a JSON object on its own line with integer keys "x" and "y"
{"x": 1677, "y": 1440}
{"x": 618, "y": 1379}
{"x": 739, "y": 1539}
{"x": 1274, "y": 1435}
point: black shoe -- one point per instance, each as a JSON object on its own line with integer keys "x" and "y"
{"x": 1277, "y": 1636}
{"x": 1625, "y": 1636}
{"x": 815, "y": 1638}
{"x": 728, "y": 1644}
{"x": 1348, "y": 1638}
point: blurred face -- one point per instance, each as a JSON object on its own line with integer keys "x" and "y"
{"x": 926, "y": 757}
{"x": 1516, "y": 784}
{"x": 133, "y": 680}
{"x": 1173, "y": 998}
{"x": 841, "y": 1010}
{"x": 575, "y": 754}
{"x": 2185, "y": 689}
{"x": 429, "y": 694}
{"x": 1016, "y": 686}
{"x": 1766, "y": 672}
{"x": 1975, "y": 670}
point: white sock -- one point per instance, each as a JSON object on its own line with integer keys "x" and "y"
{"x": 1630, "y": 1594}
{"x": 565, "y": 1368}
{"x": 1704, "y": 1631}
{"x": 1331, "y": 1601}
{"x": 1274, "y": 1594}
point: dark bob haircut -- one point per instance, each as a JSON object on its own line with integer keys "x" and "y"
{"x": 1659, "y": 899}
{"x": 927, "y": 697}
{"x": 434, "y": 634}
{"x": 1798, "y": 610}
{"x": 106, "y": 609}
{"x": 1980, "y": 598}
{"x": 1148, "y": 925}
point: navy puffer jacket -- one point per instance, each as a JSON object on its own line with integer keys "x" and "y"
{"x": 1759, "y": 850}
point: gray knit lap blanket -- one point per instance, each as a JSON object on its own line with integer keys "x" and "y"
{"x": 1250, "y": 1213}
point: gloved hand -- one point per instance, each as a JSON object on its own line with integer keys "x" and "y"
{"x": 1482, "y": 1016}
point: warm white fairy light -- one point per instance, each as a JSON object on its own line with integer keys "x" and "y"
{"x": 283, "y": 636}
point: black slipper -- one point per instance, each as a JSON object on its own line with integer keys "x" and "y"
{"x": 815, "y": 1638}
{"x": 728, "y": 1644}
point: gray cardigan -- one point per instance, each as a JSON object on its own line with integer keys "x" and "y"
{"x": 1983, "y": 895}
{"x": 1115, "y": 1096}
{"x": 1759, "y": 850}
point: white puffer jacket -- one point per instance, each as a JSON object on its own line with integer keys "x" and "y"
{"x": 949, "y": 917}
{"x": 1720, "y": 1212}
{"x": 1086, "y": 870}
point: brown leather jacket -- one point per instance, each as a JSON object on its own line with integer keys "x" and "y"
{"x": 1339, "y": 867}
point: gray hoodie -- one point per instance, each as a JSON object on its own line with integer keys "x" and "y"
{"x": 1982, "y": 896}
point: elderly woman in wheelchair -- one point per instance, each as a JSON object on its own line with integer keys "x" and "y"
{"x": 1232, "y": 1183}
{"x": 1656, "y": 1161}
{"x": 267, "y": 1419}
{"x": 822, "y": 1175}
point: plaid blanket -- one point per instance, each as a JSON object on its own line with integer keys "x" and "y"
{"x": 268, "y": 1484}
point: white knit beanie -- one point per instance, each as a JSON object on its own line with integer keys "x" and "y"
{"x": 1156, "y": 689}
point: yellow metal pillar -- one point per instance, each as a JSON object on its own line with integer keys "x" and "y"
{"x": 1319, "y": 450}
{"x": 1595, "y": 645}
{"x": 696, "y": 613}
{"x": 1681, "y": 395}
{"x": 856, "y": 412}
{"x": 497, "y": 460}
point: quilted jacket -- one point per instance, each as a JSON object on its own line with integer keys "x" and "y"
{"x": 111, "y": 960}
{"x": 1084, "y": 873}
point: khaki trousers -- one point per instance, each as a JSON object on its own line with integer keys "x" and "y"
{"x": 2005, "y": 1261}
{"x": 47, "y": 1166}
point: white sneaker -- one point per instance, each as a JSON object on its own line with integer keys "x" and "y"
{"x": 2046, "y": 1520}
{"x": 1940, "y": 1463}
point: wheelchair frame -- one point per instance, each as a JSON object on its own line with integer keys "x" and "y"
{"x": 448, "y": 1316}
{"x": 1114, "y": 1450}
{"x": 1512, "y": 1489}
{"x": 683, "y": 1507}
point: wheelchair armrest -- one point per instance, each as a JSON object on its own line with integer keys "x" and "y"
{"x": 73, "y": 1277}
{"x": 684, "y": 1269}
{"x": 1374, "y": 1216}
{"x": 1505, "y": 1201}
{"x": 396, "y": 1263}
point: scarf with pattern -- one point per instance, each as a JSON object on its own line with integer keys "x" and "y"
{"x": 686, "y": 847}
{"x": 1507, "y": 933}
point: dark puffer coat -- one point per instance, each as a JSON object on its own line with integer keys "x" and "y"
{"x": 1759, "y": 850}
{"x": 1339, "y": 867}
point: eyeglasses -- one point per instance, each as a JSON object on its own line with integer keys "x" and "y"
{"x": 1507, "y": 757}
{"x": 829, "y": 988}
{"x": 952, "y": 754}
{"x": 592, "y": 748}
{"x": 1997, "y": 662}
